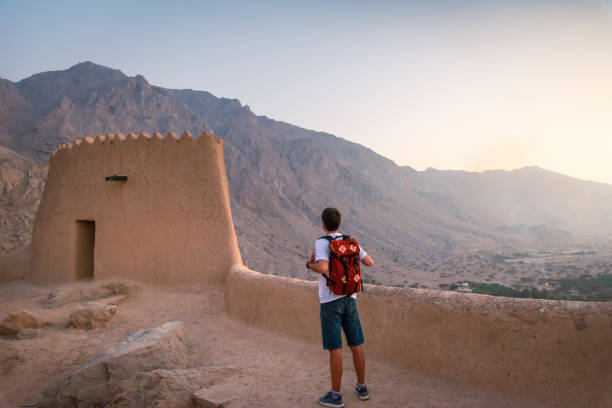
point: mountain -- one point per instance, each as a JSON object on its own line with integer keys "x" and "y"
{"x": 281, "y": 176}
{"x": 531, "y": 196}
{"x": 53, "y": 107}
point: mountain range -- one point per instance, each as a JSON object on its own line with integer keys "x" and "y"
{"x": 281, "y": 176}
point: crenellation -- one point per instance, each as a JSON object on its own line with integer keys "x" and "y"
{"x": 143, "y": 138}
{"x": 187, "y": 138}
{"x": 205, "y": 141}
{"x": 156, "y": 139}
{"x": 206, "y": 138}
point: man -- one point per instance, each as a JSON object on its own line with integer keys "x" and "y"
{"x": 338, "y": 311}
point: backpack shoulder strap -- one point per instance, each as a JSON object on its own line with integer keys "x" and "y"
{"x": 327, "y": 237}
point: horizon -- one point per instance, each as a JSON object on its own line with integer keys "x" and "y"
{"x": 539, "y": 83}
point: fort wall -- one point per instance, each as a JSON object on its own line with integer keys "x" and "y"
{"x": 15, "y": 265}
{"x": 170, "y": 222}
{"x": 557, "y": 353}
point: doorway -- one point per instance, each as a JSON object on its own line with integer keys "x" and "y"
{"x": 86, "y": 241}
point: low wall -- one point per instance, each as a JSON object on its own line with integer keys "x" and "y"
{"x": 15, "y": 265}
{"x": 556, "y": 353}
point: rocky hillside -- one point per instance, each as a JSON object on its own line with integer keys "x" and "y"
{"x": 50, "y": 108}
{"x": 281, "y": 176}
{"x": 21, "y": 184}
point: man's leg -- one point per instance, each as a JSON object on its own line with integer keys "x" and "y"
{"x": 331, "y": 320}
{"x": 359, "y": 363}
{"x": 335, "y": 369}
{"x": 354, "y": 338}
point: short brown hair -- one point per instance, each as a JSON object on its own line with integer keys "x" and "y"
{"x": 331, "y": 218}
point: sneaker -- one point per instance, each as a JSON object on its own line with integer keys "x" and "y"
{"x": 362, "y": 392}
{"x": 328, "y": 400}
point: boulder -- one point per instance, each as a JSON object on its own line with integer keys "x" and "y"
{"x": 23, "y": 319}
{"x": 95, "y": 383}
{"x": 92, "y": 316}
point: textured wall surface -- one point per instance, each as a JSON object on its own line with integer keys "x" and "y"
{"x": 170, "y": 222}
{"x": 552, "y": 352}
{"x": 16, "y": 265}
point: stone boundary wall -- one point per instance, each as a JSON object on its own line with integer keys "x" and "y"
{"x": 15, "y": 265}
{"x": 555, "y": 353}
{"x": 170, "y": 222}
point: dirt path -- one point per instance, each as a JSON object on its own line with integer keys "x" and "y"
{"x": 274, "y": 370}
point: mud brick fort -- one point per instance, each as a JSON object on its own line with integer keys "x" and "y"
{"x": 157, "y": 209}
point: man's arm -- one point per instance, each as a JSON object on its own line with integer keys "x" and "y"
{"x": 319, "y": 259}
{"x": 320, "y": 266}
{"x": 367, "y": 261}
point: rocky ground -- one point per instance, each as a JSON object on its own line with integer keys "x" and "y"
{"x": 208, "y": 355}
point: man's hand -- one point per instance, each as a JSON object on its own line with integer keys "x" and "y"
{"x": 320, "y": 266}
{"x": 310, "y": 260}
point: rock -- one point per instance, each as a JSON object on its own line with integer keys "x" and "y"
{"x": 27, "y": 334}
{"x": 64, "y": 296}
{"x": 161, "y": 388}
{"x": 218, "y": 396}
{"x": 167, "y": 388}
{"x": 23, "y": 319}
{"x": 92, "y": 316}
{"x": 96, "y": 383}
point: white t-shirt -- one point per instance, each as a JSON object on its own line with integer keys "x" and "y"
{"x": 322, "y": 252}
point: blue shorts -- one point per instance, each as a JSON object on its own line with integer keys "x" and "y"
{"x": 340, "y": 313}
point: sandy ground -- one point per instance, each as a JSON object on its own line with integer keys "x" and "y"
{"x": 271, "y": 369}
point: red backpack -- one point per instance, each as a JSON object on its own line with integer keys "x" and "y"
{"x": 344, "y": 266}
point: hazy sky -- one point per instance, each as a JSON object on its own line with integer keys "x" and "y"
{"x": 468, "y": 85}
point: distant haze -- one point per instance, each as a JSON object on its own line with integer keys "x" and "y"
{"x": 468, "y": 85}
